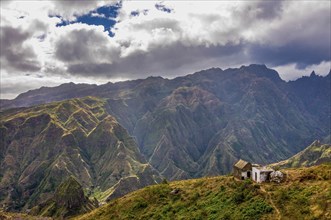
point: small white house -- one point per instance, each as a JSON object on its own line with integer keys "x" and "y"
{"x": 261, "y": 174}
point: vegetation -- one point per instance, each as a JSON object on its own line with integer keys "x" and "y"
{"x": 68, "y": 200}
{"x": 42, "y": 146}
{"x": 20, "y": 216}
{"x": 200, "y": 124}
{"x": 314, "y": 154}
{"x": 304, "y": 195}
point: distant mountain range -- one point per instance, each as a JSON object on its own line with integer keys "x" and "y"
{"x": 127, "y": 135}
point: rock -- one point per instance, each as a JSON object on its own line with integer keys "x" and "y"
{"x": 175, "y": 191}
{"x": 276, "y": 176}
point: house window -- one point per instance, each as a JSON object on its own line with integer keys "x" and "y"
{"x": 248, "y": 174}
{"x": 255, "y": 176}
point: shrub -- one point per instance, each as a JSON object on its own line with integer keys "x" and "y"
{"x": 164, "y": 181}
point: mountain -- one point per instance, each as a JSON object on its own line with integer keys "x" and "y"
{"x": 314, "y": 154}
{"x": 68, "y": 200}
{"x": 200, "y": 124}
{"x": 304, "y": 195}
{"x": 42, "y": 146}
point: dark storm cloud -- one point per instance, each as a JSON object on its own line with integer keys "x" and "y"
{"x": 83, "y": 46}
{"x": 14, "y": 54}
{"x": 156, "y": 61}
{"x": 76, "y": 45}
{"x": 304, "y": 42}
{"x": 294, "y": 52}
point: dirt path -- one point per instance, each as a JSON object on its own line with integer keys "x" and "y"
{"x": 272, "y": 202}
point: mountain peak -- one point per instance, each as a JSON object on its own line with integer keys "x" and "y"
{"x": 262, "y": 70}
{"x": 313, "y": 74}
{"x": 256, "y": 66}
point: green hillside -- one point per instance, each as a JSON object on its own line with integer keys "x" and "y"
{"x": 68, "y": 200}
{"x": 314, "y": 154}
{"x": 305, "y": 194}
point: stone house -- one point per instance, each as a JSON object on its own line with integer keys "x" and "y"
{"x": 242, "y": 170}
{"x": 245, "y": 170}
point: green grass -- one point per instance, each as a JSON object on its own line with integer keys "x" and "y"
{"x": 306, "y": 194}
{"x": 212, "y": 198}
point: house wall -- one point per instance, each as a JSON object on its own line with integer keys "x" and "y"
{"x": 260, "y": 176}
{"x": 236, "y": 172}
{"x": 256, "y": 174}
{"x": 245, "y": 174}
{"x": 264, "y": 176}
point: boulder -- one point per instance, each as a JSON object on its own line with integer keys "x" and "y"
{"x": 276, "y": 176}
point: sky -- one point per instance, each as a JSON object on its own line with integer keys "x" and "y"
{"x": 47, "y": 43}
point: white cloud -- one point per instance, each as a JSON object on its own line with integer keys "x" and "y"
{"x": 290, "y": 72}
{"x": 193, "y": 36}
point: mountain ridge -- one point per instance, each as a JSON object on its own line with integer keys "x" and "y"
{"x": 42, "y": 145}
{"x": 82, "y": 86}
{"x": 315, "y": 154}
{"x": 131, "y": 132}
{"x": 205, "y": 121}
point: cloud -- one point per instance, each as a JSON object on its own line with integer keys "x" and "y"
{"x": 15, "y": 54}
{"x": 303, "y": 39}
{"x": 70, "y": 10}
{"x": 85, "y": 50}
{"x": 173, "y": 43}
{"x": 11, "y": 85}
{"x": 290, "y": 72}
{"x": 167, "y": 38}
{"x": 83, "y": 43}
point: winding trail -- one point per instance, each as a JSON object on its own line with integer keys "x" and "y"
{"x": 271, "y": 202}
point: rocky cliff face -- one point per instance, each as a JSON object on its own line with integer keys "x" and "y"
{"x": 41, "y": 146}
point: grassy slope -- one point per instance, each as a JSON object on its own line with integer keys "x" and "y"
{"x": 314, "y": 154}
{"x": 20, "y": 216}
{"x": 306, "y": 194}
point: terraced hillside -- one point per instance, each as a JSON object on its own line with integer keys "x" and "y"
{"x": 42, "y": 146}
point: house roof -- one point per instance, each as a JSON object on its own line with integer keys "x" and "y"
{"x": 241, "y": 164}
{"x": 265, "y": 169}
